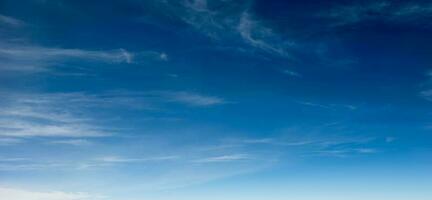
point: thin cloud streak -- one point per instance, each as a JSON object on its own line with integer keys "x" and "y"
{"x": 233, "y": 22}
{"x": 74, "y": 142}
{"x": 117, "y": 159}
{"x": 224, "y": 158}
{"x": 27, "y": 58}
{"x": 260, "y": 36}
{"x": 194, "y": 99}
{"x": 392, "y": 12}
{"x": 10, "y": 21}
{"x": 68, "y": 115}
{"x": 10, "y": 141}
{"x": 20, "y": 194}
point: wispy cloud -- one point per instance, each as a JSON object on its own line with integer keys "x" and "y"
{"x": 194, "y": 99}
{"x": 66, "y": 115}
{"x": 309, "y": 145}
{"x": 10, "y": 21}
{"x": 118, "y": 159}
{"x": 10, "y": 141}
{"x": 21, "y": 128}
{"x": 342, "y": 152}
{"x": 427, "y": 94}
{"x": 260, "y": 36}
{"x": 28, "y": 58}
{"x": 224, "y": 158}
{"x": 311, "y": 140}
{"x": 393, "y": 12}
{"x": 48, "y": 115}
{"x": 20, "y": 194}
{"x": 74, "y": 142}
{"x": 292, "y": 73}
{"x": 390, "y": 139}
{"x": 230, "y": 22}
{"x": 306, "y": 103}
{"x": 328, "y": 106}
{"x": 13, "y": 159}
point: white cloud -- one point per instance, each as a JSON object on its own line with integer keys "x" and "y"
{"x": 46, "y": 115}
{"x": 291, "y": 73}
{"x": 262, "y": 37}
{"x": 75, "y": 142}
{"x": 163, "y": 56}
{"x": 366, "y": 150}
{"x": 427, "y": 91}
{"x": 10, "y": 141}
{"x": 259, "y": 141}
{"x": 28, "y": 58}
{"x": 313, "y": 104}
{"x": 390, "y": 139}
{"x": 328, "y": 106}
{"x": 32, "y": 111}
{"x": 117, "y": 159}
{"x": 20, "y": 194}
{"x": 401, "y": 12}
{"x": 13, "y": 159}
{"x": 194, "y": 99}
{"x": 230, "y": 22}
{"x": 26, "y": 128}
{"x": 342, "y": 152}
{"x": 427, "y": 94}
{"x": 68, "y": 115}
{"x": 10, "y": 21}
{"x": 224, "y": 158}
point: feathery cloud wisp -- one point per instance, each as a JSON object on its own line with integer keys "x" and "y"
{"x": 26, "y": 58}
{"x": 379, "y": 10}
{"x": 234, "y": 22}
{"x": 20, "y": 194}
{"x": 224, "y": 158}
{"x": 194, "y": 99}
{"x": 10, "y": 21}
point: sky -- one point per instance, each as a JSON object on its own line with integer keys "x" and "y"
{"x": 215, "y": 99}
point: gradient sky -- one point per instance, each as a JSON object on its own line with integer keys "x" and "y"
{"x": 215, "y": 100}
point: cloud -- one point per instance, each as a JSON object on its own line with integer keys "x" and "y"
{"x": 194, "y": 99}
{"x": 328, "y": 106}
{"x": 365, "y": 150}
{"x": 21, "y": 128}
{"x": 392, "y": 12}
{"x": 292, "y": 73}
{"x": 13, "y": 159}
{"x": 259, "y": 141}
{"x": 390, "y": 139}
{"x": 10, "y": 141}
{"x": 75, "y": 142}
{"x": 68, "y": 114}
{"x": 117, "y": 159}
{"x": 224, "y": 158}
{"x": 45, "y": 115}
{"x": 311, "y": 140}
{"x": 163, "y": 56}
{"x": 10, "y": 21}
{"x": 230, "y": 23}
{"x": 313, "y": 104}
{"x": 20, "y": 194}
{"x": 259, "y": 36}
{"x": 28, "y": 58}
{"x": 307, "y": 145}
{"x": 427, "y": 94}
{"x": 342, "y": 152}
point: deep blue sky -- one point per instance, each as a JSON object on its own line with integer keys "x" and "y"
{"x": 162, "y": 100}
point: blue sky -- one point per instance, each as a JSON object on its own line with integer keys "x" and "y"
{"x": 203, "y": 99}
